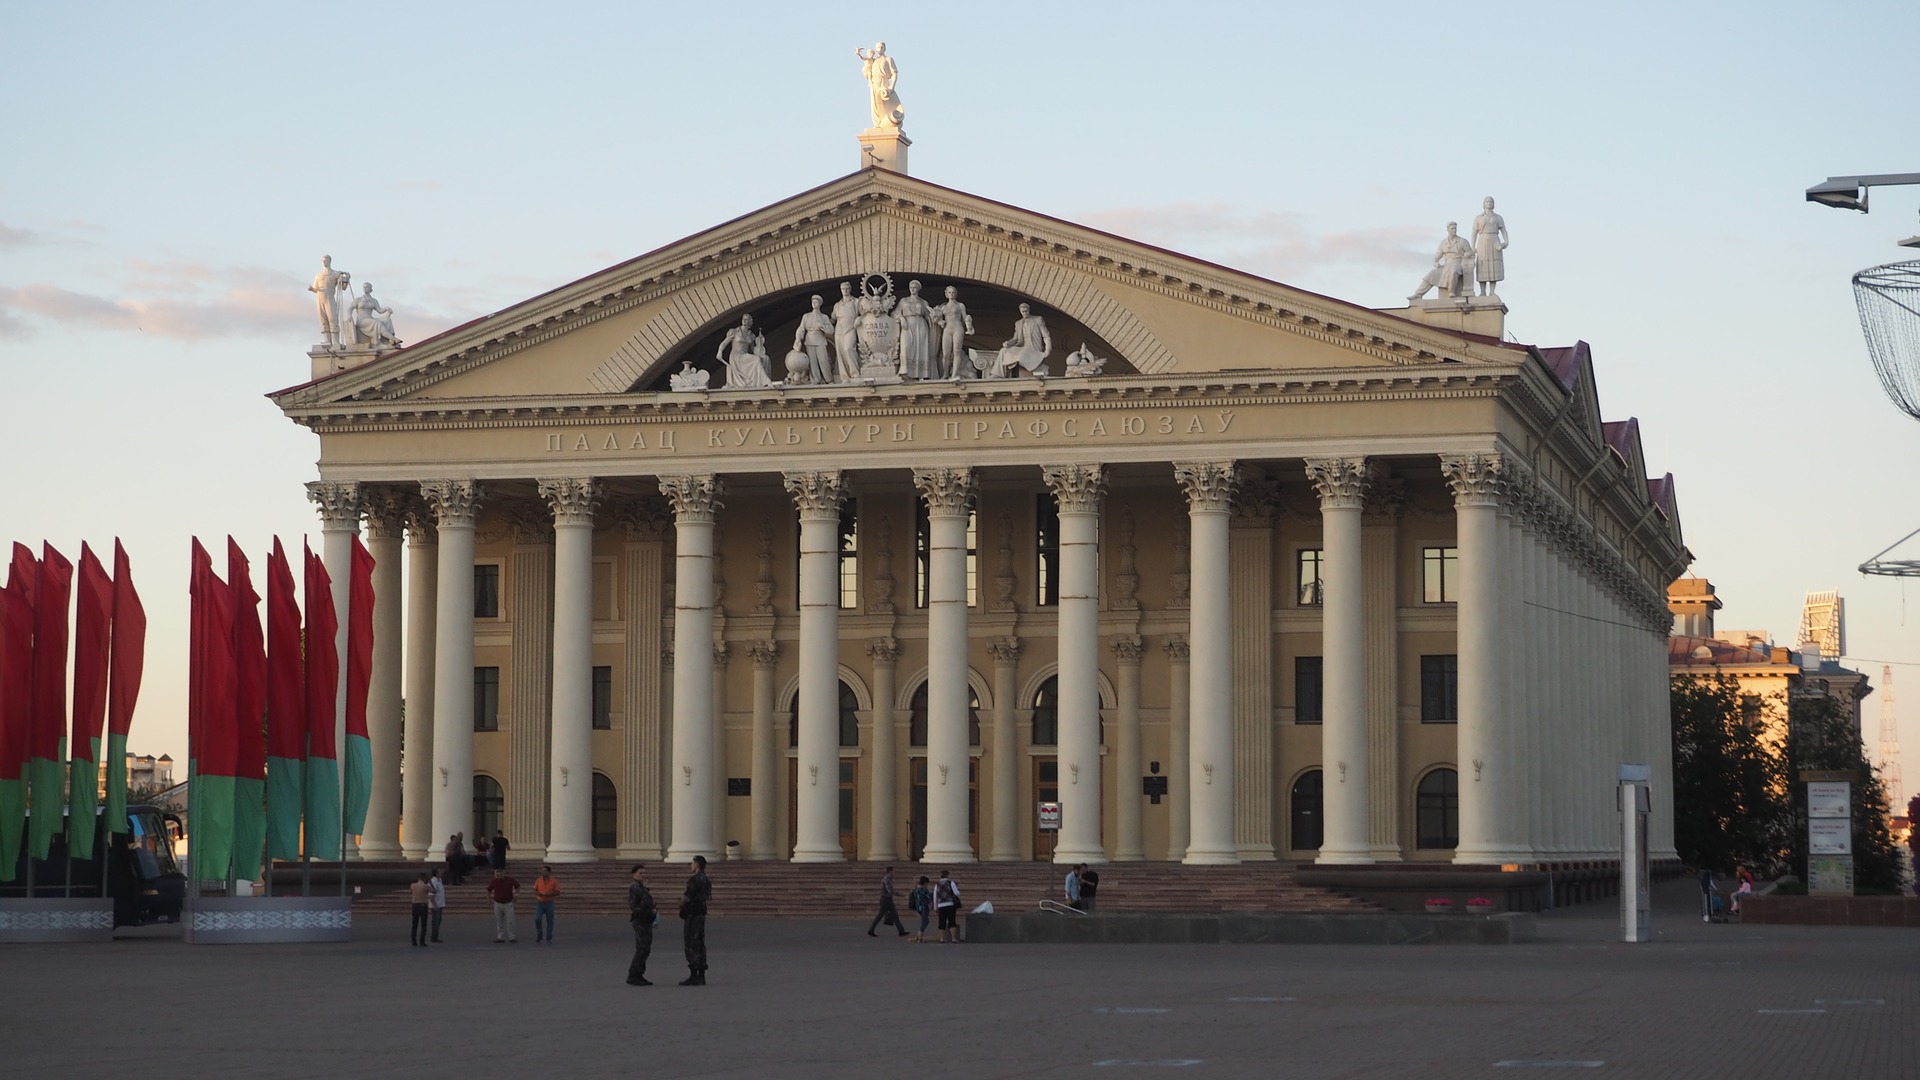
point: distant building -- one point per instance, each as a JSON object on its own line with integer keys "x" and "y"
{"x": 144, "y": 771}
{"x": 1823, "y": 624}
{"x": 1768, "y": 674}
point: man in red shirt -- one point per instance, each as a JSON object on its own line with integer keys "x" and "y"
{"x": 501, "y": 888}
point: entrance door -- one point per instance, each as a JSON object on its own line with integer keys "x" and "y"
{"x": 917, "y": 814}
{"x": 849, "y": 807}
{"x": 1046, "y": 788}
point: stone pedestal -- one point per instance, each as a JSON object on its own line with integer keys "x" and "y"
{"x": 333, "y": 361}
{"x": 1485, "y": 315}
{"x": 884, "y": 148}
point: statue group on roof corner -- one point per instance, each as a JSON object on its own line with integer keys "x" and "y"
{"x": 1459, "y": 264}
{"x": 348, "y": 321}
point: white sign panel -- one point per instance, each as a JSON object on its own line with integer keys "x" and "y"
{"x": 1049, "y": 816}
{"x": 1827, "y": 799}
{"x": 1830, "y": 836}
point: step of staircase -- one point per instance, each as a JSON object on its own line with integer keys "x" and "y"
{"x": 851, "y": 890}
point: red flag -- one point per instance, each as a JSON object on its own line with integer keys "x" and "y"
{"x": 286, "y": 693}
{"x": 16, "y": 716}
{"x": 323, "y": 661}
{"x": 24, "y": 573}
{"x": 129, "y": 645}
{"x": 91, "y": 638}
{"x": 214, "y": 746}
{"x": 50, "y": 653}
{"x": 250, "y": 669}
{"x": 359, "y": 639}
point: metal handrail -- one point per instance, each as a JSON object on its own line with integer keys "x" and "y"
{"x": 1058, "y": 908}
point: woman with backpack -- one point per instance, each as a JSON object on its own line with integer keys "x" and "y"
{"x": 921, "y": 900}
{"x": 946, "y": 903}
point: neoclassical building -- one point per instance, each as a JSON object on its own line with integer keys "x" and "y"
{"x": 1250, "y": 574}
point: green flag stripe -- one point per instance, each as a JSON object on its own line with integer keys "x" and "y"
{"x": 359, "y": 783}
{"x": 211, "y": 843}
{"x": 285, "y": 790}
{"x": 249, "y": 826}
{"x": 116, "y": 784}
{"x": 323, "y": 808}
{"x": 13, "y": 813}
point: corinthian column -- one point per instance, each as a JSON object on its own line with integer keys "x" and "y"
{"x": 456, "y": 506}
{"x": 386, "y": 522}
{"x": 696, "y": 498}
{"x": 1179, "y": 701}
{"x": 1342, "y": 486}
{"x": 1007, "y": 818}
{"x": 1486, "y": 776}
{"x": 763, "y": 842}
{"x": 1126, "y": 767}
{"x": 417, "y": 839}
{"x": 948, "y": 492}
{"x": 818, "y": 495}
{"x": 1209, "y": 486}
{"x": 1078, "y": 489}
{"x": 339, "y": 507}
{"x": 573, "y": 500}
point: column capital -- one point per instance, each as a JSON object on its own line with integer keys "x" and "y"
{"x": 695, "y": 496}
{"x": 338, "y": 503}
{"x": 1005, "y": 650}
{"x": 1341, "y": 482}
{"x": 1077, "y": 487}
{"x": 1386, "y": 499}
{"x": 422, "y": 528}
{"x": 454, "y": 502}
{"x": 573, "y": 498}
{"x": 529, "y": 523}
{"x": 1209, "y": 485}
{"x": 1127, "y": 649}
{"x": 646, "y": 518}
{"x": 1177, "y": 650}
{"x": 387, "y": 512}
{"x": 765, "y": 654}
{"x": 817, "y": 493}
{"x": 884, "y": 650}
{"x": 947, "y": 489}
{"x": 720, "y": 653}
{"x": 1476, "y": 479}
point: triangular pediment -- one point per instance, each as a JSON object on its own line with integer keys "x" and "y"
{"x": 1147, "y": 310}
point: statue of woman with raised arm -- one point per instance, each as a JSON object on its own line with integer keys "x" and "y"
{"x": 882, "y": 74}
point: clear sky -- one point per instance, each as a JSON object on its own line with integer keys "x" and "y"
{"x": 170, "y": 175}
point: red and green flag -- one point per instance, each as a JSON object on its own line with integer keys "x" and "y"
{"x": 46, "y": 771}
{"x": 213, "y": 748}
{"x": 286, "y": 711}
{"x": 323, "y": 687}
{"x": 127, "y": 665}
{"x": 92, "y": 637}
{"x": 16, "y": 705}
{"x": 250, "y": 716}
{"x": 359, "y": 749}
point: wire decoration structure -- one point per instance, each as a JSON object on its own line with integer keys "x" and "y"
{"x": 1888, "y": 298}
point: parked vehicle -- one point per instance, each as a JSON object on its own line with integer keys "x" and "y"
{"x": 141, "y": 874}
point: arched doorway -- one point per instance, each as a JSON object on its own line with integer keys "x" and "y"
{"x": 606, "y": 813}
{"x": 1436, "y": 810}
{"x": 849, "y": 724}
{"x": 489, "y": 807}
{"x": 1304, "y": 821}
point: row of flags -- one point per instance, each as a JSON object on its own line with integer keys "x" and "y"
{"x": 39, "y": 760}
{"x": 263, "y": 756}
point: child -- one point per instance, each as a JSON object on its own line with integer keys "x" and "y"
{"x": 921, "y": 900}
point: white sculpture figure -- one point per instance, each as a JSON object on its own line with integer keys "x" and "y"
{"x": 846, "y": 324}
{"x": 325, "y": 283}
{"x": 916, "y": 335}
{"x": 985, "y": 365}
{"x": 1083, "y": 363}
{"x": 744, "y": 352}
{"x": 955, "y": 324}
{"x": 1489, "y": 240}
{"x": 689, "y": 377}
{"x": 878, "y": 332}
{"x": 882, "y": 73}
{"x": 1027, "y": 349}
{"x": 815, "y": 338}
{"x": 1452, "y": 267}
{"x": 372, "y": 324}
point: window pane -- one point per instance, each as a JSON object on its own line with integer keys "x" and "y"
{"x": 1308, "y": 575}
{"x": 1439, "y": 689}
{"x": 1046, "y": 570}
{"x": 922, "y": 553}
{"x": 849, "y": 555}
{"x": 1306, "y": 689}
{"x": 606, "y": 812}
{"x": 486, "y": 591}
{"x": 1046, "y": 714}
{"x": 1437, "y": 810}
{"x": 1440, "y": 570}
{"x": 486, "y": 699}
{"x": 603, "y": 698}
{"x": 849, "y": 717}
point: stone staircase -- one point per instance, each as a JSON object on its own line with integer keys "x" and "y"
{"x": 851, "y": 890}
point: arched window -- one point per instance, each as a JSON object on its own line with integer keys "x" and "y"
{"x": 489, "y": 806}
{"x": 849, "y": 718}
{"x": 606, "y": 813}
{"x": 1304, "y": 812}
{"x": 917, "y": 718}
{"x": 1436, "y": 810}
{"x": 1046, "y": 713}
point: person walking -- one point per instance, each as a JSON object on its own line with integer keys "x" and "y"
{"x": 921, "y": 901}
{"x": 439, "y": 904}
{"x": 497, "y": 851}
{"x": 693, "y": 934}
{"x": 642, "y": 912}
{"x": 546, "y": 889}
{"x": 456, "y": 859}
{"x": 421, "y": 894}
{"x": 1709, "y": 894}
{"x": 1072, "y": 886}
{"x": 888, "y": 912}
{"x": 501, "y": 888}
{"x": 946, "y": 903}
{"x": 1089, "y": 887}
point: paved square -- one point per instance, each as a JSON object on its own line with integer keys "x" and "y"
{"x": 799, "y": 998}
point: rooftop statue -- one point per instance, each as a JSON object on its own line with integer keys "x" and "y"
{"x": 372, "y": 324}
{"x": 1027, "y": 349}
{"x": 1489, "y": 241}
{"x": 689, "y": 377}
{"x": 1084, "y": 363}
{"x": 846, "y": 324}
{"x": 915, "y": 316}
{"x": 955, "y": 361}
{"x": 815, "y": 339}
{"x": 882, "y": 73}
{"x": 744, "y": 352}
{"x": 1452, "y": 269}
{"x": 326, "y": 284}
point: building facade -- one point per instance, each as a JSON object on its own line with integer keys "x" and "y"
{"x": 1253, "y": 574}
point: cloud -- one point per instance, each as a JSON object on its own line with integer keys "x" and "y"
{"x": 11, "y": 237}
{"x": 1274, "y": 243}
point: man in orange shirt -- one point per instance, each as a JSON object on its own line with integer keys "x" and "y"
{"x": 545, "y": 891}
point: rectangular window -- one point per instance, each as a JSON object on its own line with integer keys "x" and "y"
{"x": 1046, "y": 570}
{"x": 1310, "y": 563}
{"x": 923, "y": 561}
{"x": 603, "y": 698}
{"x": 1306, "y": 689}
{"x": 486, "y": 590}
{"x": 1439, "y": 689}
{"x": 849, "y": 556}
{"x": 1440, "y": 568}
{"x": 486, "y": 699}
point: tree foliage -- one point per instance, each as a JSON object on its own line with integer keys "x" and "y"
{"x": 1729, "y": 781}
{"x": 1820, "y": 736}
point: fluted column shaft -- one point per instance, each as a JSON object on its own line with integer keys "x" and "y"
{"x": 417, "y": 836}
{"x": 818, "y": 495}
{"x": 1179, "y": 758}
{"x": 1007, "y": 818}
{"x": 1127, "y": 844}
{"x": 339, "y": 505}
{"x": 762, "y": 842}
{"x": 1078, "y": 489}
{"x": 1342, "y": 484}
{"x": 386, "y": 523}
{"x": 573, "y": 500}
{"x": 696, "y": 498}
{"x": 948, "y": 493}
{"x": 1209, "y": 488}
{"x": 883, "y": 819}
{"x": 456, "y": 505}
{"x": 1486, "y": 774}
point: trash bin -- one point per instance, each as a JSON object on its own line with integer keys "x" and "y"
{"x": 733, "y": 851}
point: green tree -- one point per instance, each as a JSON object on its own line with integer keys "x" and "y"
{"x": 1729, "y": 782}
{"x": 1821, "y": 736}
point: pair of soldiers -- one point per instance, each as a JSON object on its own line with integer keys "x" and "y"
{"x": 644, "y": 913}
